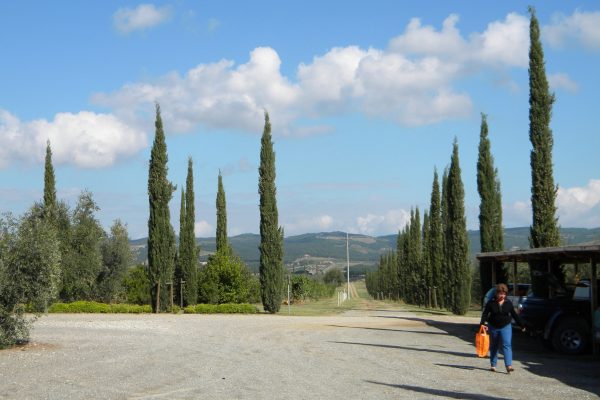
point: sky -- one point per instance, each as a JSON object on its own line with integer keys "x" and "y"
{"x": 365, "y": 101}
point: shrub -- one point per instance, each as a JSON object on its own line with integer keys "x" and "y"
{"x": 224, "y": 280}
{"x": 304, "y": 287}
{"x": 226, "y": 308}
{"x": 93, "y": 307}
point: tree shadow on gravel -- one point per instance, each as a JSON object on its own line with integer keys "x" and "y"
{"x": 439, "y": 392}
{"x": 582, "y": 372}
{"x": 388, "y": 329}
{"x": 390, "y": 346}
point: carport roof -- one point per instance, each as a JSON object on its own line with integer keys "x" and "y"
{"x": 566, "y": 254}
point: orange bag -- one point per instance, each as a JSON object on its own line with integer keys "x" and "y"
{"x": 482, "y": 342}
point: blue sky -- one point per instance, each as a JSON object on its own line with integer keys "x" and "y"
{"x": 365, "y": 101}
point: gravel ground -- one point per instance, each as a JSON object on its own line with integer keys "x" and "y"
{"x": 384, "y": 354}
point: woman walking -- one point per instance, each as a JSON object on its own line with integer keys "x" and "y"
{"x": 498, "y": 313}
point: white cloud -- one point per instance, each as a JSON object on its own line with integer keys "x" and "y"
{"x": 213, "y": 24}
{"x": 85, "y": 139}
{"x": 144, "y": 16}
{"x": 502, "y": 43}
{"x": 218, "y": 96}
{"x": 242, "y": 165}
{"x": 372, "y": 224}
{"x": 411, "y": 82}
{"x": 203, "y": 229}
{"x": 515, "y": 214}
{"x": 563, "y": 81}
{"x": 322, "y": 223}
{"x": 581, "y": 27}
{"x": 579, "y": 206}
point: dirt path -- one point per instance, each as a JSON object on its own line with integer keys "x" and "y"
{"x": 373, "y": 354}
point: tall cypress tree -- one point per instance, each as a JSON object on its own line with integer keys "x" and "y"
{"x": 490, "y": 209}
{"x": 190, "y": 265}
{"x": 425, "y": 260}
{"x": 180, "y": 255}
{"x": 457, "y": 239}
{"x": 222, "y": 244}
{"x": 161, "y": 238}
{"x": 544, "y": 231}
{"x": 50, "y": 204}
{"x": 448, "y": 287}
{"x": 271, "y": 235}
{"x": 435, "y": 244}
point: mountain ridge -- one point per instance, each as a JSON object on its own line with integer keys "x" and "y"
{"x": 364, "y": 249}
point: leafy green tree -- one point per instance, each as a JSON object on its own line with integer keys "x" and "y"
{"x": 29, "y": 271}
{"x": 224, "y": 280}
{"x": 83, "y": 261}
{"x": 137, "y": 286}
{"x": 490, "y": 209}
{"x": 116, "y": 260}
{"x": 161, "y": 238}
{"x": 271, "y": 235}
{"x": 457, "y": 239}
{"x": 221, "y": 239}
{"x": 435, "y": 243}
{"x": 333, "y": 276}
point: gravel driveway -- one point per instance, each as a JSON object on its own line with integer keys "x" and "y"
{"x": 382, "y": 354}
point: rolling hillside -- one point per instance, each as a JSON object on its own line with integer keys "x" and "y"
{"x": 364, "y": 250}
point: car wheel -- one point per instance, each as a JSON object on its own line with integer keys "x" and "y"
{"x": 571, "y": 336}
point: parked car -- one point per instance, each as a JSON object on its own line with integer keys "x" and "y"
{"x": 563, "y": 322}
{"x": 522, "y": 291}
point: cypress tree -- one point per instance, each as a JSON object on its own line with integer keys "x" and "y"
{"x": 544, "y": 231}
{"x": 222, "y": 244}
{"x": 50, "y": 204}
{"x": 180, "y": 254}
{"x": 435, "y": 244}
{"x": 457, "y": 239}
{"x": 490, "y": 209}
{"x": 271, "y": 235}
{"x": 190, "y": 263}
{"x": 447, "y": 285}
{"x": 425, "y": 260}
{"x": 161, "y": 238}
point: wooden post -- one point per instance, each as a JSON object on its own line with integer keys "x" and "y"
{"x": 515, "y": 280}
{"x": 493, "y": 272}
{"x": 594, "y": 304}
{"x": 157, "y": 297}
{"x": 550, "y": 288}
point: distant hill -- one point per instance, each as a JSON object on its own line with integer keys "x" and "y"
{"x": 364, "y": 250}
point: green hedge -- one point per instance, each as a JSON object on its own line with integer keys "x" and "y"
{"x": 94, "y": 307}
{"x": 227, "y": 308}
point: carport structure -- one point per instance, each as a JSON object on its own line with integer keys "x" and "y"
{"x": 573, "y": 255}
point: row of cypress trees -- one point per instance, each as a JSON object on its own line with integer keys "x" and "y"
{"x": 431, "y": 266}
{"x": 167, "y": 267}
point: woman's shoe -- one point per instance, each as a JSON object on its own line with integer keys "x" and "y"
{"x": 493, "y": 369}
{"x": 509, "y": 369}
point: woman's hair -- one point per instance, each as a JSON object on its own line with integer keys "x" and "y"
{"x": 501, "y": 288}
